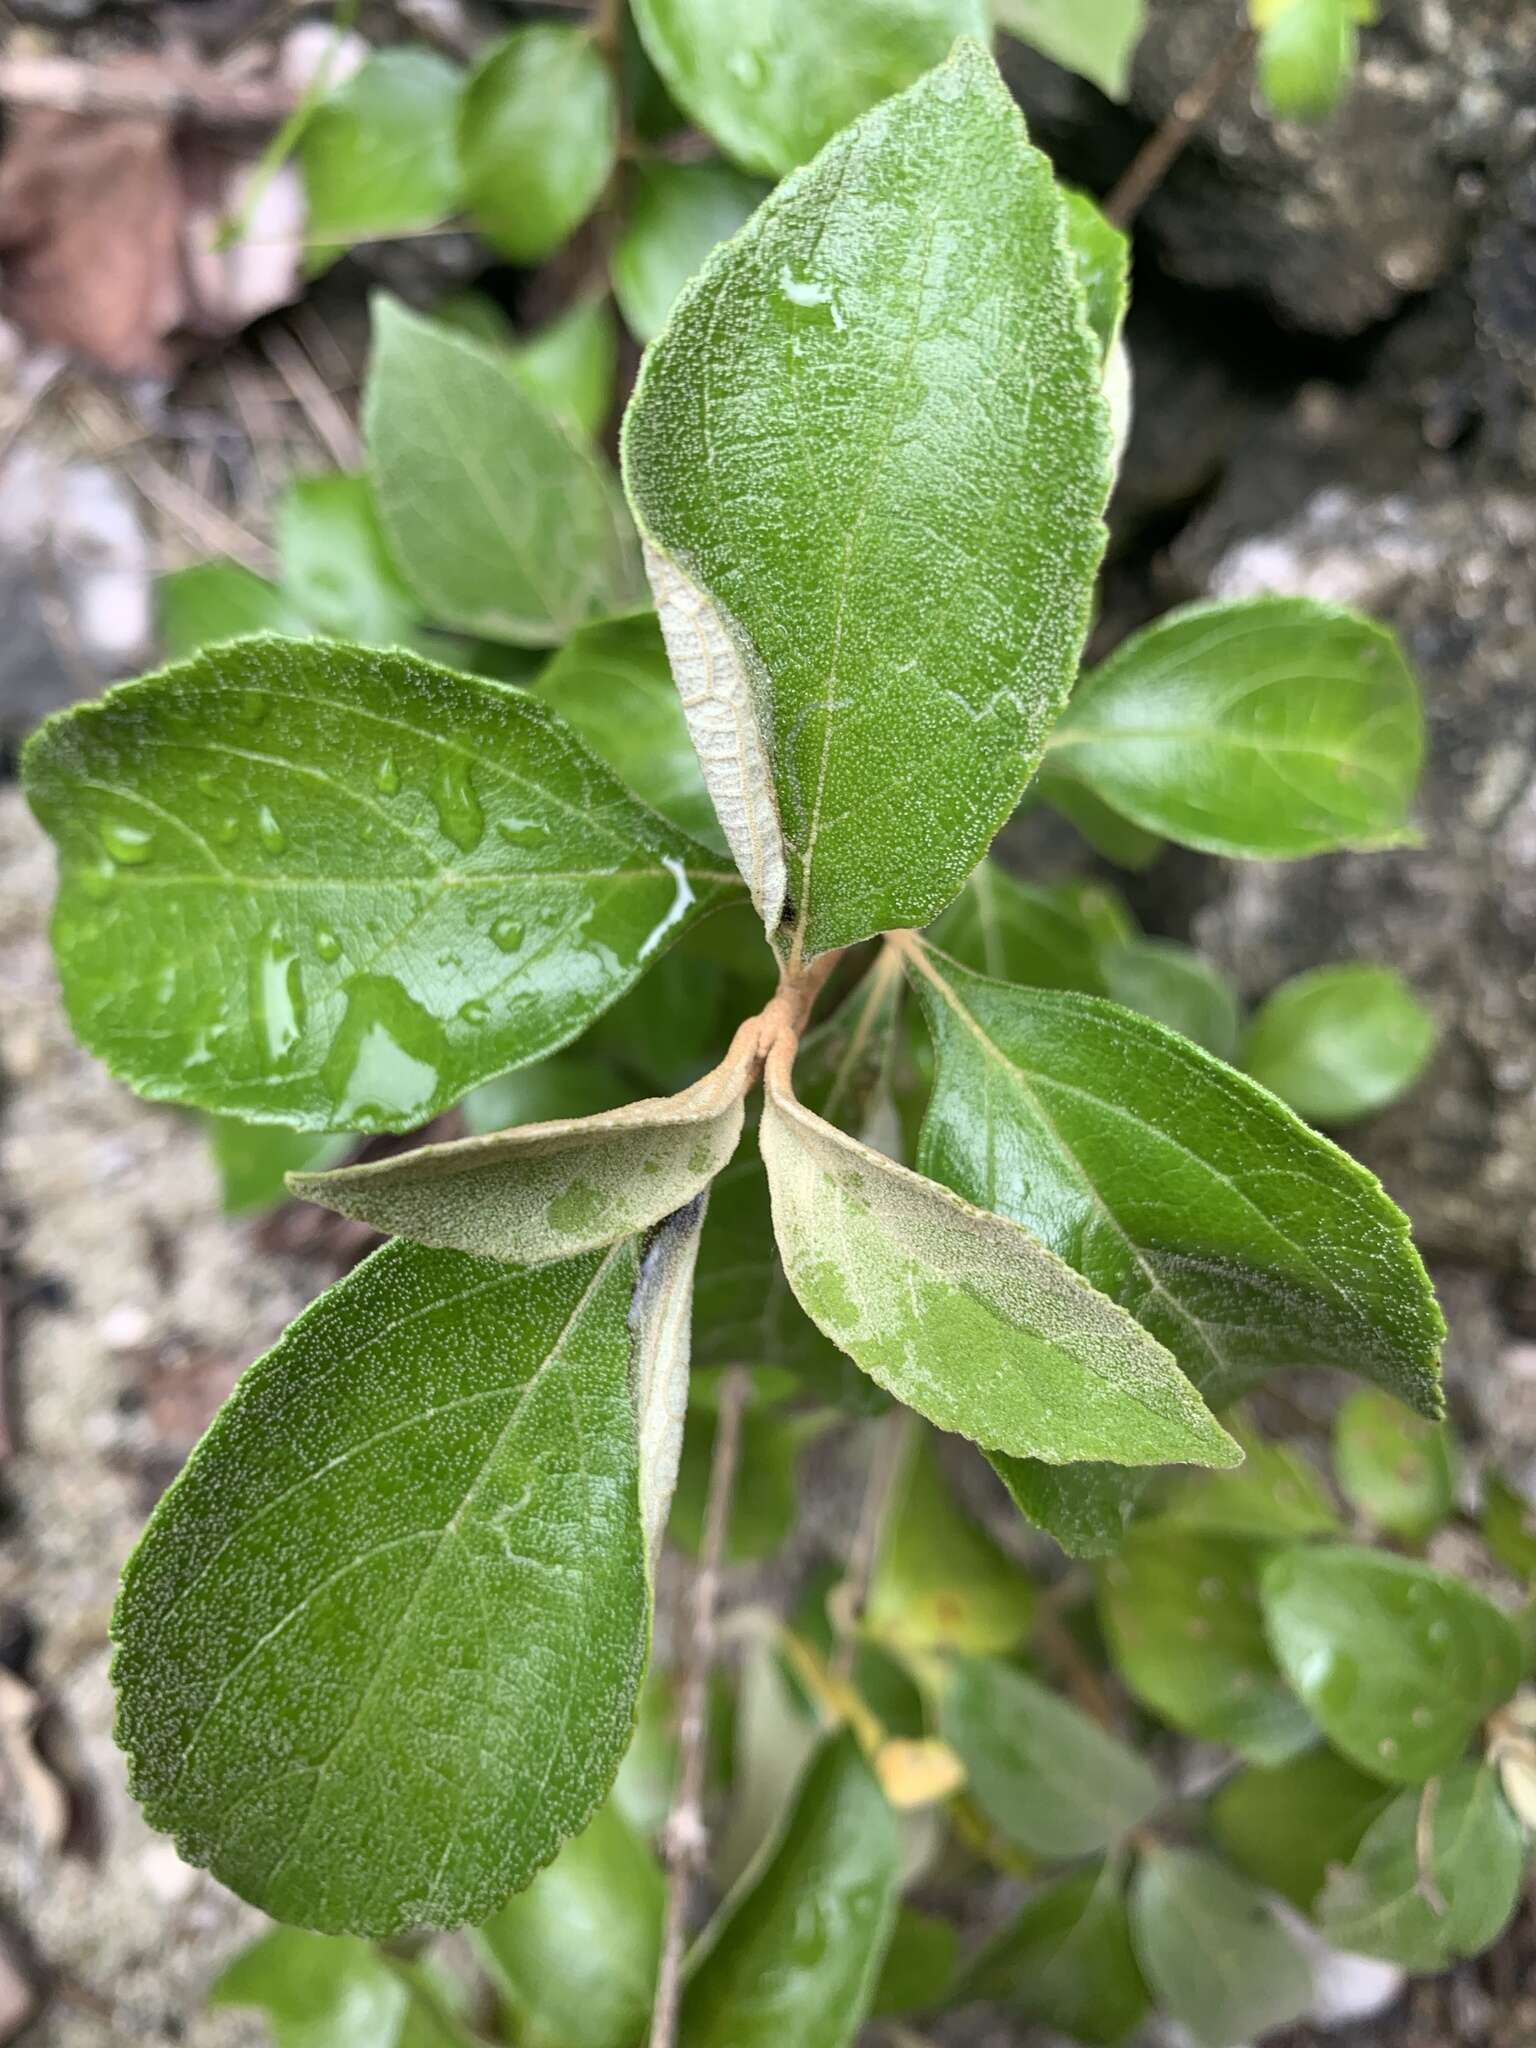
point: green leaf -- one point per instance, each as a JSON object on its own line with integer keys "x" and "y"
{"x": 1120, "y": 842}
{"x": 1271, "y": 728}
{"x": 1181, "y": 1615}
{"x": 538, "y": 138}
{"x": 1340, "y": 1043}
{"x": 1103, "y": 258}
{"x": 1435, "y": 1879}
{"x": 964, "y": 1316}
{"x": 796, "y": 1951}
{"x": 1085, "y": 1508}
{"x": 1274, "y": 1494}
{"x": 1172, "y": 985}
{"x": 1067, "y": 1962}
{"x": 501, "y": 520}
{"x": 1095, "y": 38}
{"x": 1045, "y": 937}
{"x": 1241, "y": 1239}
{"x": 1285, "y": 1826}
{"x": 611, "y": 683}
{"x": 215, "y": 601}
{"x": 378, "y": 154}
{"x": 772, "y": 80}
{"x": 1306, "y": 56}
{"x": 318, "y": 1991}
{"x": 437, "y": 1461}
{"x": 939, "y": 1582}
{"x": 1398, "y": 1664}
{"x": 253, "y": 1160}
{"x": 919, "y": 1967}
{"x": 1509, "y": 1526}
{"x": 874, "y": 569}
{"x": 400, "y": 881}
{"x": 1053, "y": 1781}
{"x": 1393, "y": 1467}
{"x": 576, "y": 1953}
{"x": 572, "y": 365}
{"x": 1212, "y": 1951}
{"x": 677, "y": 214}
{"x": 336, "y": 568}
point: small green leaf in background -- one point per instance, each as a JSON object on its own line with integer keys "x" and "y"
{"x": 215, "y": 601}
{"x": 1398, "y": 1664}
{"x": 1085, "y": 1508}
{"x": 1393, "y": 1467}
{"x": 642, "y": 1792}
{"x": 254, "y": 1160}
{"x": 1215, "y": 1956}
{"x": 1172, "y": 984}
{"x": 772, "y": 80}
{"x": 1286, "y": 1825}
{"x": 438, "y": 1459}
{"x": 1269, "y": 729}
{"x": 1095, "y": 38}
{"x": 1043, "y": 936}
{"x": 795, "y": 1954}
{"x": 773, "y": 1735}
{"x": 1051, "y": 1779}
{"x": 378, "y": 154}
{"x": 336, "y": 567}
{"x": 1436, "y": 1877}
{"x": 575, "y": 1954}
{"x": 1306, "y": 53}
{"x": 1182, "y": 1620}
{"x": 1509, "y": 1526}
{"x": 919, "y": 1967}
{"x": 1121, "y": 843}
{"x": 538, "y": 138}
{"x": 765, "y": 1499}
{"x": 572, "y": 365}
{"x": 1275, "y": 1494}
{"x": 939, "y": 1582}
{"x": 317, "y": 1991}
{"x": 868, "y": 705}
{"x": 676, "y": 214}
{"x": 1103, "y": 257}
{"x": 1340, "y": 1043}
{"x": 1067, "y": 1962}
{"x": 500, "y": 521}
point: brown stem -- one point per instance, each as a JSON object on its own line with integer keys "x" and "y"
{"x": 684, "y": 1839}
{"x": 1163, "y": 148}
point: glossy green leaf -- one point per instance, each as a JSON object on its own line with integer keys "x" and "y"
{"x": 501, "y": 520}
{"x": 1285, "y": 1826}
{"x": 919, "y": 1967}
{"x": 676, "y": 215}
{"x": 1120, "y": 842}
{"x": 1044, "y": 937}
{"x": 1509, "y": 1526}
{"x": 1181, "y": 1615}
{"x": 572, "y": 365}
{"x": 438, "y": 1460}
{"x": 1241, "y": 1239}
{"x": 772, "y": 80}
{"x": 874, "y": 569}
{"x": 1393, "y": 1467}
{"x": 796, "y": 1951}
{"x": 575, "y": 1955}
{"x": 336, "y": 567}
{"x": 318, "y": 1991}
{"x": 1275, "y": 1494}
{"x": 395, "y": 882}
{"x": 1172, "y": 985}
{"x": 1067, "y": 1962}
{"x": 1085, "y": 1508}
{"x": 538, "y": 138}
{"x": 1306, "y": 56}
{"x": 253, "y": 1160}
{"x": 1436, "y": 1878}
{"x": 378, "y": 154}
{"x": 1052, "y": 1780}
{"x": 1340, "y": 1043}
{"x": 1095, "y": 38}
{"x": 1397, "y": 1663}
{"x": 939, "y": 1582}
{"x": 966, "y": 1317}
{"x": 215, "y": 601}
{"x": 611, "y": 683}
{"x": 1213, "y": 1953}
{"x": 1270, "y": 728}
{"x": 764, "y": 1501}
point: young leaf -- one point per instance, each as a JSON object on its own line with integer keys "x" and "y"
{"x": 795, "y": 1952}
{"x": 1271, "y": 728}
{"x": 1053, "y": 1781}
{"x": 253, "y": 1159}
{"x": 320, "y": 1991}
{"x": 336, "y": 568}
{"x": 1437, "y": 1876}
{"x": 501, "y": 520}
{"x": 378, "y": 153}
{"x": 321, "y": 886}
{"x": 874, "y": 572}
{"x": 1285, "y": 1826}
{"x": 677, "y": 214}
{"x": 772, "y": 80}
{"x": 1241, "y": 1239}
{"x": 1172, "y": 985}
{"x": 572, "y": 365}
{"x": 1067, "y": 1961}
{"x": 1181, "y": 1615}
{"x": 1398, "y": 1664}
{"x": 315, "y": 1690}
{"x": 1393, "y": 1467}
{"x": 1340, "y": 1043}
{"x": 575, "y": 1955}
{"x": 1212, "y": 1951}
{"x": 964, "y": 1316}
{"x": 1095, "y": 38}
{"x": 1045, "y": 937}
{"x": 538, "y": 138}
{"x": 1306, "y": 55}
{"x": 551, "y": 1191}
{"x": 216, "y": 601}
